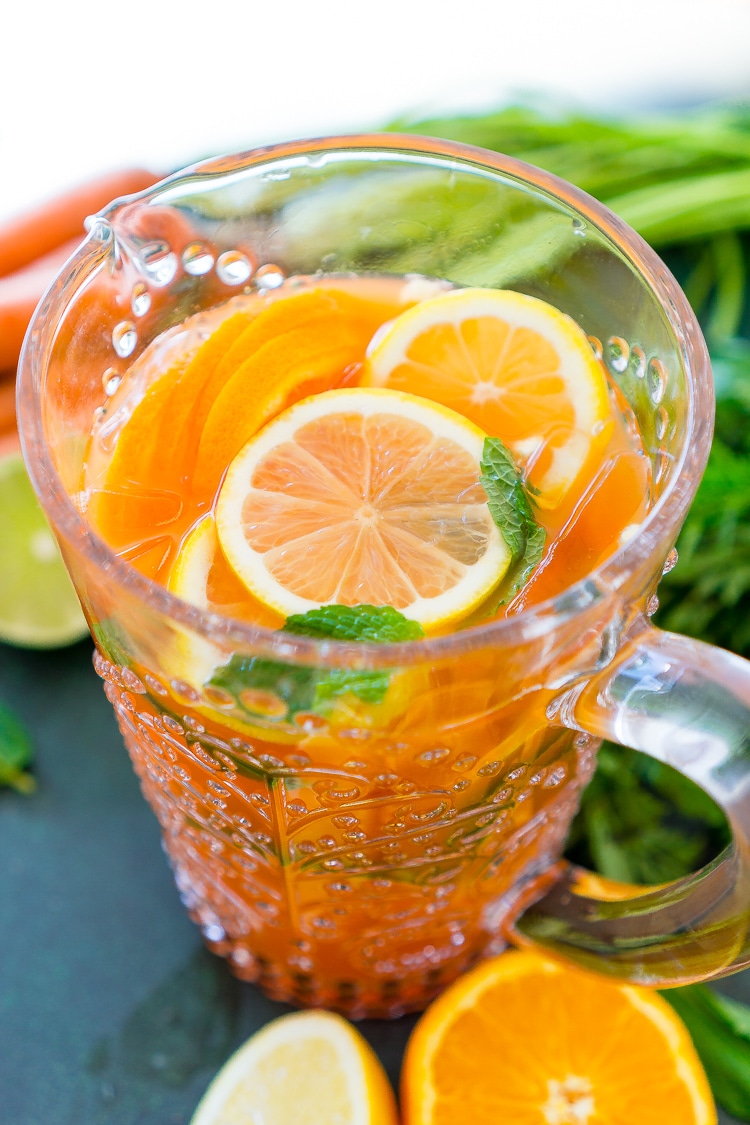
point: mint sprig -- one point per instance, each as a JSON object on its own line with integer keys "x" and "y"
{"x": 380, "y": 623}
{"x": 306, "y": 688}
{"x": 510, "y": 509}
{"x": 16, "y": 752}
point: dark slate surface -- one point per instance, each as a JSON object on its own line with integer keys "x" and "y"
{"x": 111, "y": 1011}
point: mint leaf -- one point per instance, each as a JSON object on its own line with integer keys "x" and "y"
{"x": 380, "y": 623}
{"x": 510, "y": 509}
{"x": 370, "y": 687}
{"x": 16, "y": 751}
{"x": 110, "y": 641}
{"x": 293, "y": 684}
{"x": 304, "y": 688}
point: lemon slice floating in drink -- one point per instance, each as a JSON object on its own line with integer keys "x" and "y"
{"x": 363, "y": 496}
{"x": 513, "y": 365}
{"x": 202, "y": 576}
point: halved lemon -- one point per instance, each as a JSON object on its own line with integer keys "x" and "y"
{"x": 363, "y": 496}
{"x": 513, "y": 364}
{"x": 306, "y": 1068}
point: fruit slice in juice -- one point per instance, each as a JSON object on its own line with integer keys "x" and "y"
{"x": 241, "y": 363}
{"x": 363, "y": 496}
{"x": 514, "y": 365}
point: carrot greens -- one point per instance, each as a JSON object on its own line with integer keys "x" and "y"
{"x": 683, "y": 182}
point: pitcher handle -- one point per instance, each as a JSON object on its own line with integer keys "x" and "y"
{"x": 687, "y": 704}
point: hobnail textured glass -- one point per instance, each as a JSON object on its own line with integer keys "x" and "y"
{"x": 363, "y": 864}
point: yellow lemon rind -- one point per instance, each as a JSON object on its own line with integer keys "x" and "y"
{"x": 446, "y": 608}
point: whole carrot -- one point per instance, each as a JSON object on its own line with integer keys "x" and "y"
{"x": 9, "y": 443}
{"x": 7, "y": 403}
{"x": 20, "y": 293}
{"x": 42, "y": 229}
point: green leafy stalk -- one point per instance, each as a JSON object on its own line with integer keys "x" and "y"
{"x": 708, "y": 594}
{"x": 642, "y": 822}
{"x": 510, "y": 509}
{"x": 302, "y": 687}
{"x": 720, "y": 1030}
{"x": 16, "y": 752}
{"x": 674, "y": 178}
{"x": 683, "y": 181}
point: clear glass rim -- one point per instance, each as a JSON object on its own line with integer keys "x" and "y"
{"x": 660, "y": 526}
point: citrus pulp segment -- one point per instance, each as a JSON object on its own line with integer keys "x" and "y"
{"x": 38, "y": 605}
{"x": 298, "y": 346}
{"x": 517, "y": 367}
{"x": 531, "y": 1041}
{"x": 361, "y": 496}
{"x": 307, "y": 1068}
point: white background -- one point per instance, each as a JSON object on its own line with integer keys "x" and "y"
{"x": 86, "y": 88}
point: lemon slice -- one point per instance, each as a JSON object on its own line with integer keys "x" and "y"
{"x": 307, "y": 1068}
{"x": 516, "y": 366}
{"x": 38, "y": 606}
{"x": 363, "y": 496}
{"x": 200, "y": 575}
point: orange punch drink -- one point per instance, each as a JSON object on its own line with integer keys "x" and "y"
{"x": 366, "y": 457}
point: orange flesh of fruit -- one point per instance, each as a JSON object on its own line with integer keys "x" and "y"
{"x": 514, "y": 365}
{"x": 469, "y": 357}
{"x": 181, "y": 435}
{"x": 543, "y": 1044}
{"x": 385, "y": 484}
{"x": 344, "y": 462}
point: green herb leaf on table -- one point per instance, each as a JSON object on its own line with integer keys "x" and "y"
{"x": 510, "y": 509}
{"x": 307, "y": 688}
{"x": 16, "y": 752}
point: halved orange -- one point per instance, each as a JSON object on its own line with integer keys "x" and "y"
{"x": 513, "y": 364}
{"x": 526, "y": 1040}
{"x": 363, "y": 496}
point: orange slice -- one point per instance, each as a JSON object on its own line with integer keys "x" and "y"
{"x": 305, "y": 1068}
{"x": 363, "y": 496}
{"x": 205, "y": 388}
{"x": 299, "y": 346}
{"x": 514, "y": 365}
{"x": 527, "y": 1040}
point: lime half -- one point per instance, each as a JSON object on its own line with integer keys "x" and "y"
{"x": 38, "y": 605}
